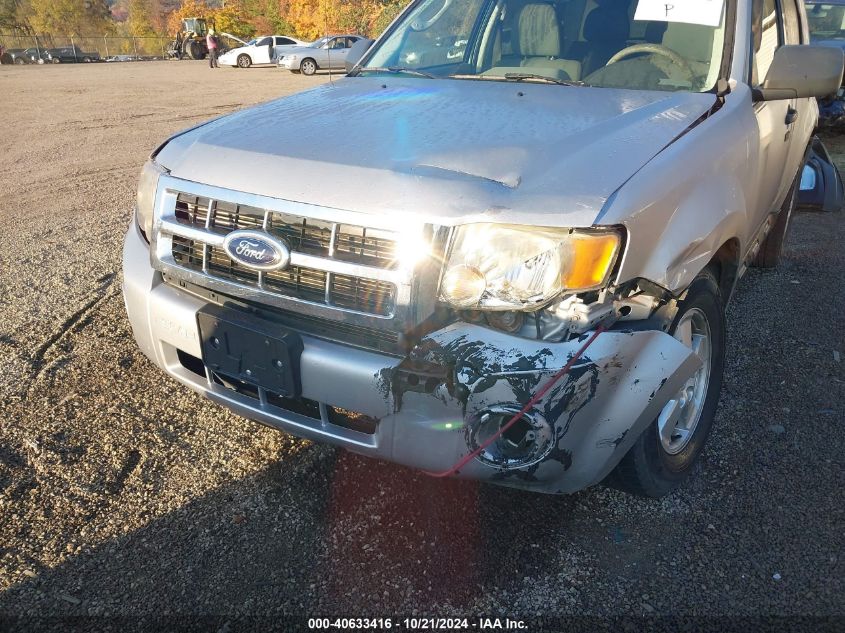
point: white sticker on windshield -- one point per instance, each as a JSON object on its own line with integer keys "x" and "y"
{"x": 704, "y": 12}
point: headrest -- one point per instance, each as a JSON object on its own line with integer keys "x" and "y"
{"x": 691, "y": 41}
{"x": 539, "y": 35}
{"x": 607, "y": 24}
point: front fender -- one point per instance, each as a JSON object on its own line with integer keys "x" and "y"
{"x": 694, "y": 196}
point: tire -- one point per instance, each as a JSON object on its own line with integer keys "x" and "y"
{"x": 650, "y": 468}
{"x": 244, "y": 61}
{"x": 308, "y": 66}
{"x": 86, "y": 60}
{"x": 56, "y": 60}
{"x": 19, "y": 61}
{"x": 195, "y": 50}
{"x": 772, "y": 247}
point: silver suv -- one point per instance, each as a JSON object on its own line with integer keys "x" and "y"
{"x": 505, "y": 260}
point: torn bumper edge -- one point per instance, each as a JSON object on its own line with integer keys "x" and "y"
{"x": 597, "y": 411}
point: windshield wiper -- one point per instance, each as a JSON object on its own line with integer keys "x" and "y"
{"x": 521, "y": 77}
{"x": 395, "y": 70}
{"x": 543, "y": 78}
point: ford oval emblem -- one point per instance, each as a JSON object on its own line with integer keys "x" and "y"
{"x": 257, "y": 250}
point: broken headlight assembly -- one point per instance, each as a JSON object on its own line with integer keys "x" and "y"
{"x": 508, "y": 267}
{"x": 145, "y": 199}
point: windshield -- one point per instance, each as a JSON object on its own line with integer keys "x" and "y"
{"x": 826, "y": 21}
{"x": 319, "y": 43}
{"x": 638, "y": 44}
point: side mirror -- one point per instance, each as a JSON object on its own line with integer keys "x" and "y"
{"x": 802, "y": 71}
{"x": 356, "y": 52}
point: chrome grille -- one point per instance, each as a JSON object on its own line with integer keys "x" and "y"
{"x": 347, "y": 279}
{"x": 361, "y": 246}
{"x": 316, "y": 286}
{"x": 354, "y": 244}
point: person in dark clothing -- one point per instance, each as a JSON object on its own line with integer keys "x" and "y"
{"x": 177, "y": 47}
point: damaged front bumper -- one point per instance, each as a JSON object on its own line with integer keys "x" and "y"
{"x": 433, "y": 407}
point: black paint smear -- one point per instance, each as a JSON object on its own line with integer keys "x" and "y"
{"x": 562, "y": 394}
{"x": 384, "y": 381}
{"x": 615, "y": 443}
{"x": 477, "y": 360}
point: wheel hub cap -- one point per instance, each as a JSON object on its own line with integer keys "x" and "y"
{"x": 679, "y": 417}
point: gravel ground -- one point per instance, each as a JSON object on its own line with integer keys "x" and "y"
{"x": 124, "y": 494}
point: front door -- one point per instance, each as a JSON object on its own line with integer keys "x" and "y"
{"x": 804, "y": 110}
{"x": 775, "y": 119}
{"x": 335, "y": 53}
{"x": 263, "y": 49}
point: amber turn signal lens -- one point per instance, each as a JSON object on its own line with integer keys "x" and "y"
{"x": 592, "y": 256}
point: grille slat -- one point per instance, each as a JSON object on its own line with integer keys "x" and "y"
{"x": 358, "y": 245}
{"x": 354, "y": 244}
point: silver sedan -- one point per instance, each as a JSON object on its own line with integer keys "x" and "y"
{"x": 328, "y": 53}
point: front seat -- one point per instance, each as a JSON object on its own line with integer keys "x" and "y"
{"x": 539, "y": 41}
{"x": 606, "y": 31}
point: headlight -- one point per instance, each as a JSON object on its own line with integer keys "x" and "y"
{"x": 145, "y": 200}
{"x": 506, "y": 267}
{"x": 291, "y": 58}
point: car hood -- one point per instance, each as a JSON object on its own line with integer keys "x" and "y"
{"x": 446, "y": 151}
{"x": 239, "y": 49}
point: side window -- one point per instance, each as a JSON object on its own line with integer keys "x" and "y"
{"x": 266, "y": 41}
{"x": 283, "y": 41}
{"x": 791, "y": 23}
{"x": 766, "y": 37}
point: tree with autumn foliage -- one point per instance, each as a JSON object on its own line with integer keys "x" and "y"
{"x": 242, "y": 18}
{"x": 389, "y": 10}
{"x": 141, "y": 18}
{"x": 69, "y": 17}
{"x": 311, "y": 19}
{"x": 188, "y": 9}
{"x": 308, "y": 19}
{"x": 267, "y": 16}
{"x": 232, "y": 18}
{"x": 13, "y": 17}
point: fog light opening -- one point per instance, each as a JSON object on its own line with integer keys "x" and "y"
{"x": 518, "y": 437}
{"x": 526, "y": 442}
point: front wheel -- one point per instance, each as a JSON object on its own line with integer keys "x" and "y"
{"x": 195, "y": 50}
{"x": 308, "y": 66}
{"x": 664, "y": 455}
{"x": 244, "y": 61}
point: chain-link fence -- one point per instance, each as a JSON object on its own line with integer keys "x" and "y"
{"x": 83, "y": 48}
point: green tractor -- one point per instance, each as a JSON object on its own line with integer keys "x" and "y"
{"x": 190, "y": 41}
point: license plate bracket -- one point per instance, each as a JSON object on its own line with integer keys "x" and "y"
{"x": 253, "y": 350}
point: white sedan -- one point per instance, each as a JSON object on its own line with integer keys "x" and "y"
{"x": 262, "y": 51}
